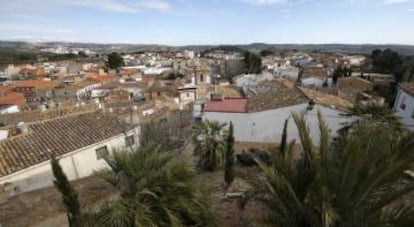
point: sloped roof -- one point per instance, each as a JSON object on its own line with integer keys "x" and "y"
{"x": 58, "y": 136}
{"x": 12, "y": 98}
{"x": 326, "y": 99}
{"x": 407, "y": 87}
{"x": 36, "y": 84}
{"x": 37, "y": 115}
{"x": 282, "y": 97}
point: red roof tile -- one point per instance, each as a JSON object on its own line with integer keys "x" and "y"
{"x": 35, "y": 84}
{"x": 13, "y": 98}
{"x": 229, "y": 105}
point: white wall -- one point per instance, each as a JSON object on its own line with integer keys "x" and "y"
{"x": 267, "y": 126}
{"x": 10, "y": 109}
{"x": 187, "y": 97}
{"x": 77, "y": 164}
{"x": 405, "y": 114}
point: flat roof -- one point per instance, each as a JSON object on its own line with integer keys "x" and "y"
{"x": 228, "y": 105}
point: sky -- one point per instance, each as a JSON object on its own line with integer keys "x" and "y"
{"x": 200, "y": 22}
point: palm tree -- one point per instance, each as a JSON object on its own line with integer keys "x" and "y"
{"x": 154, "y": 191}
{"x": 229, "y": 162}
{"x": 209, "y": 142}
{"x": 375, "y": 113}
{"x": 360, "y": 182}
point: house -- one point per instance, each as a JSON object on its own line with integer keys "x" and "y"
{"x": 80, "y": 141}
{"x": 135, "y": 89}
{"x": 376, "y": 78}
{"x": 261, "y": 117}
{"x": 317, "y": 77}
{"x": 78, "y": 91}
{"x": 36, "y": 91}
{"x": 187, "y": 94}
{"x": 350, "y": 87}
{"x": 404, "y": 104}
{"x": 8, "y": 97}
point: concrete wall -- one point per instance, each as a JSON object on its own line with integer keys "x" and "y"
{"x": 77, "y": 164}
{"x": 187, "y": 97}
{"x": 406, "y": 114}
{"x": 267, "y": 126}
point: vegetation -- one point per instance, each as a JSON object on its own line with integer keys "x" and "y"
{"x": 376, "y": 113}
{"x": 69, "y": 195}
{"x": 341, "y": 72}
{"x": 266, "y": 52}
{"x": 209, "y": 143}
{"x": 164, "y": 135}
{"x": 229, "y": 165}
{"x": 387, "y": 61}
{"x": 174, "y": 76}
{"x": 115, "y": 60}
{"x": 252, "y": 62}
{"x": 358, "y": 183}
{"x": 154, "y": 191}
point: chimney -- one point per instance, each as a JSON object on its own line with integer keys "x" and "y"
{"x": 42, "y": 107}
{"x": 22, "y": 127}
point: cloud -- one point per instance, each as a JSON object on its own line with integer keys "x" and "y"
{"x": 265, "y": 2}
{"x": 392, "y": 2}
{"x": 117, "y": 6}
{"x": 155, "y": 4}
{"x": 105, "y": 5}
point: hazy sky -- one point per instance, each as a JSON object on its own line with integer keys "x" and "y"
{"x": 181, "y": 22}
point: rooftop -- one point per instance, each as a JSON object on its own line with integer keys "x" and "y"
{"x": 12, "y": 98}
{"x": 37, "y": 115}
{"x": 229, "y": 105}
{"x": 407, "y": 87}
{"x": 326, "y": 99}
{"x": 282, "y": 97}
{"x": 35, "y": 84}
{"x": 58, "y": 136}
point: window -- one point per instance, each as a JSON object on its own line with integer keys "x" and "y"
{"x": 129, "y": 141}
{"x": 402, "y": 105}
{"x": 101, "y": 152}
{"x": 188, "y": 95}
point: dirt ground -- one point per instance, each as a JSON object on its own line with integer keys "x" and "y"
{"x": 44, "y": 207}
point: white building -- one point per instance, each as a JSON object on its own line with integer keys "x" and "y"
{"x": 261, "y": 118}
{"x": 404, "y": 104}
{"x": 187, "y": 94}
{"x": 79, "y": 141}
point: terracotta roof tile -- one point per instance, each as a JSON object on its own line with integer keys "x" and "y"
{"x": 408, "y": 87}
{"x": 59, "y": 136}
{"x": 36, "y": 84}
{"x": 282, "y": 97}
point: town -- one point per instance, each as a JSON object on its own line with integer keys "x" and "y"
{"x": 87, "y": 107}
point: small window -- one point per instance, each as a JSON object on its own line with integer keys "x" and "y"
{"x": 402, "y": 105}
{"x": 129, "y": 141}
{"x": 101, "y": 152}
{"x": 188, "y": 95}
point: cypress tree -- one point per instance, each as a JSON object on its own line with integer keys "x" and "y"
{"x": 69, "y": 195}
{"x": 229, "y": 165}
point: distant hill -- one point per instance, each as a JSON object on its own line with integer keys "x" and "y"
{"x": 7, "y": 46}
